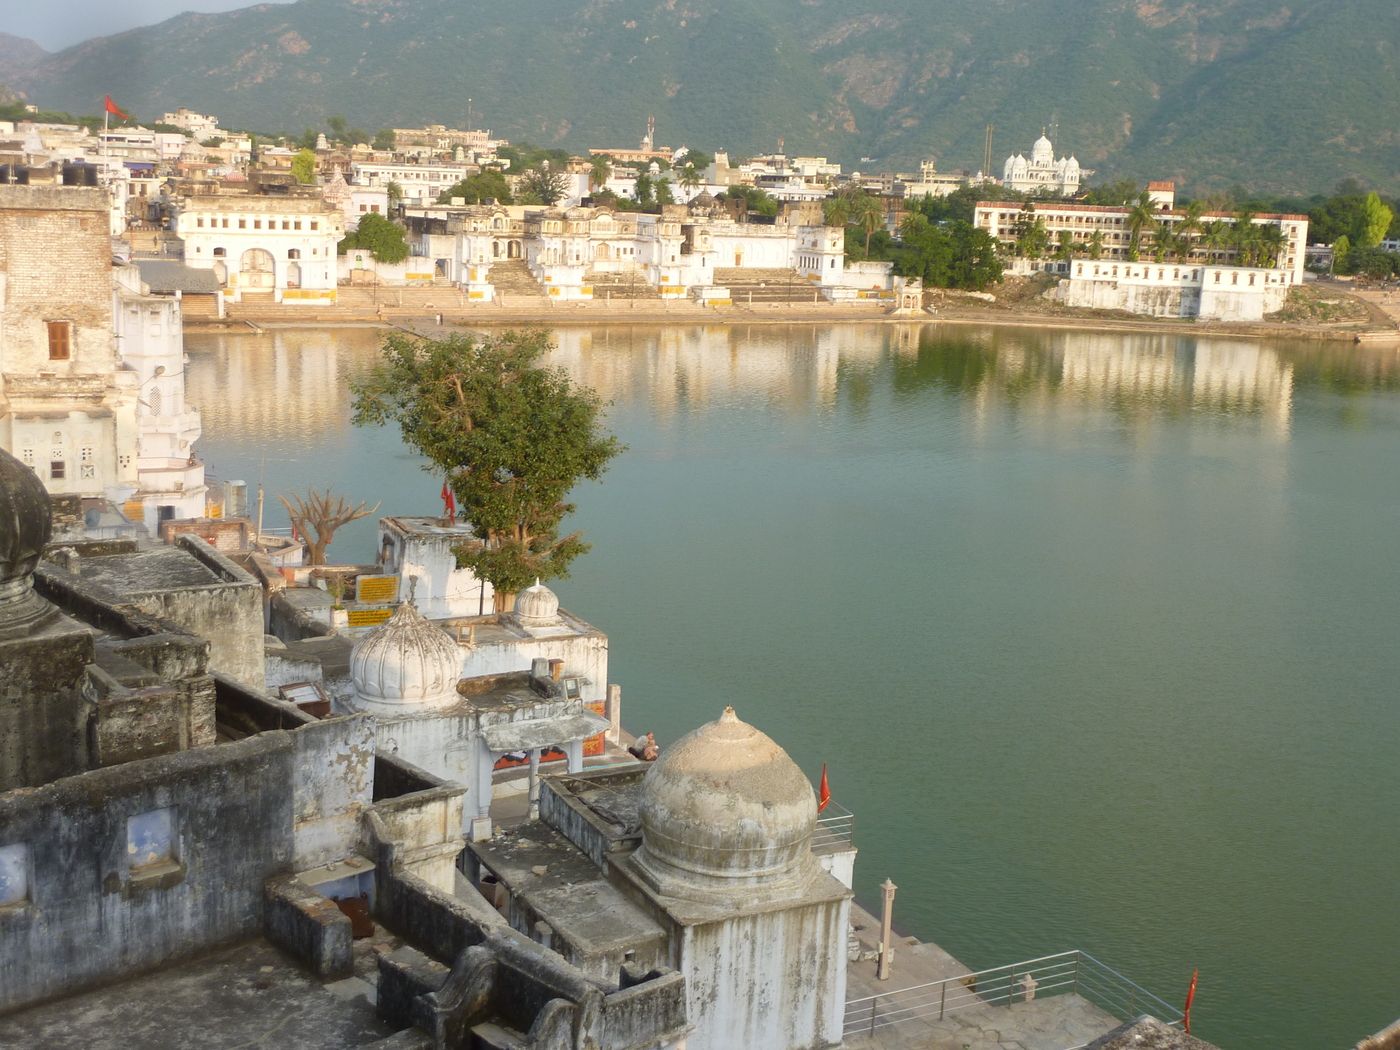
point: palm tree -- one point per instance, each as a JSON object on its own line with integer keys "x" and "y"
{"x": 599, "y": 171}
{"x": 1244, "y": 238}
{"x": 689, "y": 178}
{"x": 1142, "y": 218}
{"x": 1216, "y": 238}
{"x": 1271, "y": 244}
{"x": 1096, "y": 244}
{"x": 1189, "y": 228}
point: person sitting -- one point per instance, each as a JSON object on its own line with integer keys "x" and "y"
{"x": 645, "y": 748}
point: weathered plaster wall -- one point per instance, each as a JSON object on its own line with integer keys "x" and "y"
{"x": 42, "y": 713}
{"x": 775, "y": 980}
{"x": 90, "y": 917}
{"x": 332, "y": 786}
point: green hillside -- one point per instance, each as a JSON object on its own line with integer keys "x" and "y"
{"x": 1212, "y": 93}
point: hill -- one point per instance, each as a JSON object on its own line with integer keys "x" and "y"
{"x": 1213, "y": 93}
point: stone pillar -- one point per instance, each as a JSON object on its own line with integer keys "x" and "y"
{"x": 534, "y": 795}
{"x": 882, "y": 969}
{"x": 573, "y": 751}
{"x": 614, "y": 710}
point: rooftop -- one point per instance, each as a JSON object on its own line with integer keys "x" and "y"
{"x": 140, "y": 572}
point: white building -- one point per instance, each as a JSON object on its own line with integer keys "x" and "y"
{"x": 1043, "y": 172}
{"x": 150, "y": 342}
{"x": 200, "y": 125}
{"x": 1205, "y": 291}
{"x": 421, "y": 183}
{"x": 264, "y": 247}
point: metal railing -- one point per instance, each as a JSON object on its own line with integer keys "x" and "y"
{"x": 1068, "y": 973}
{"x": 836, "y": 828}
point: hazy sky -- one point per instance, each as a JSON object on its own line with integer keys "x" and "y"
{"x": 57, "y": 24}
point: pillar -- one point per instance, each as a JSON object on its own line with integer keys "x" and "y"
{"x": 534, "y": 795}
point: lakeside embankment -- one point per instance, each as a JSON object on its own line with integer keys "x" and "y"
{"x": 421, "y": 313}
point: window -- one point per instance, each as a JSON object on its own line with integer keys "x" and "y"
{"x": 257, "y": 224}
{"x": 60, "y": 340}
{"x": 225, "y": 224}
{"x": 14, "y": 875}
{"x": 315, "y": 225}
{"x": 219, "y": 253}
{"x": 150, "y": 843}
{"x": 86, "y": 454}
{"x": 199, "y": 222}
{"x": 242, "y": 224}
{"x": 27, "y": 458}
{"x": 293, "y": 253}
{"x": 296, "y": 225}
{"x": 58, "y": 470}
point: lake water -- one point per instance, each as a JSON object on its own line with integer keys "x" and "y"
{"x": 1096, "y": 633}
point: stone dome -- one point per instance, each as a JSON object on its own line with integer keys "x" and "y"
{"x": 404, "y": 665}
{"x": 26, "y": 523}
{"x": 725, "y": 807}
{"x": 537, "y": 606}
{"x": 1043, "y": 152}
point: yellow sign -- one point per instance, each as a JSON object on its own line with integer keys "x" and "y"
{"x": 367, "y": 617}
{"x": 377, "y": 589}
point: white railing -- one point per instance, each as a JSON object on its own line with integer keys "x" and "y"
{"x": 1068, "y": 973}
{"x": 836, "y": 828}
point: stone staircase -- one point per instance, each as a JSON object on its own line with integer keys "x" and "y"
{"x": 764, "y": 286}
{"x": 614, "y": 286}
{"x": 515, "y": 285}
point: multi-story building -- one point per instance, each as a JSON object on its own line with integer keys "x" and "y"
{"x": 1111, "y": 230}
{"x": 264, "y": 247}
{"x": 420, "y": 183}
{"x": 68, "y": 409}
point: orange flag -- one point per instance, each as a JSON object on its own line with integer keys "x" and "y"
{"x": 824, "y": 795}
{"x": 1190, "y": 997}
{"x": 112, "y": 108}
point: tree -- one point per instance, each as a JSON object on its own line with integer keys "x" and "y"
{"x": 394, "y": 192}
{"x": 599, "y": 172}
{"x": 381, "y": 237}
{"x": 1189, "y": 228}
{"x": 479, "y": 188}
{"x": 304, "y": 167}
{"x": 752, "y": 201}
{"x": 383, "y": 139}
{"x": 1096, "y": 244}
{"x": 543, "y": 184}
{"x": 689, "y": 176}
{"x": 1142, "y": 218}
{"x": 338, "y": 128}
{"x": 1064, "y": 248}
{"x": 1373, "y": 222}
{"x": 316, "y": 517}
{"x": 1341, "y": 248}
{"x": 512, "y": 436}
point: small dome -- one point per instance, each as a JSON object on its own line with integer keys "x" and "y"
{"x": 407, "y": 663}
{"x": 537, "y": 606}
{"x": 722, "y": 807}
{"x": 26, "y": 523}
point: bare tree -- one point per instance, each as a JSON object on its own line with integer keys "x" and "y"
{"x": 321, "y": 513}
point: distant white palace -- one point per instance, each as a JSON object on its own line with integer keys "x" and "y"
{"x": 1043, "y": 172}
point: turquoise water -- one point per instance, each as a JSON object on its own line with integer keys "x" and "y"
{"x": 1096, "y": 633}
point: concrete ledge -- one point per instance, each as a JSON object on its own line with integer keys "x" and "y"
{"x": 404, "y": 975}
{"x": 308, "y": 925}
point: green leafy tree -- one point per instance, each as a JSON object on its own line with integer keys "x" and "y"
{"x": 753, "y": 201}
{"x": 1189, "y": 228}
{"x": 1064, "y": 246}
{"x": 394, "y": 192}
{"x": 512, "y": 436}
{"x": 476, "y": 189}
{"x": 304, "y": 167}
{"x": 339, "y": 130}
{"x": 689, "y": 176}
{"x": 1096, "y": 244}
{"x": 1114, "y": 194}
{"x": 1373, "y": 222}
{"x": 383, "y": 139}
{"x": 381, "y": 237}
{"x": 542, "y": 185}
{"x": 1142, "y": 219}
{"x": 1341, "y": 248}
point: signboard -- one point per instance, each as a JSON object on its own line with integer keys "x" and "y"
{"x": 368, "y": 617}
{"x": 377, "y": 589}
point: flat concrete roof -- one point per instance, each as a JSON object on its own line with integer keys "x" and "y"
{"x": 248, "y": 995}
{"x": 145, "y": 571}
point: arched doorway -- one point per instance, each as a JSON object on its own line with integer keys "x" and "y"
{"x": 257, "y": 272}
{"x": 603, "y": 253}
{"x": 294, "y": 275}
{"x": 513, "y": 250}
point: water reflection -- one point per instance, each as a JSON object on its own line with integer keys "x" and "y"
{"x": 291, "y": 385}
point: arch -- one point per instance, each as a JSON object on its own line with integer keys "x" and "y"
{"x": 603, "y": 253}
{"x": 257, "y": 271}
{"x": 513, "y": 250}
{"x": 294, "y": 275}
{"x": 219, "y": 253}
{"x": 221, "y": 274}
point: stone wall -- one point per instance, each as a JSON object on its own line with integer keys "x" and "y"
{"x": 43, "y": 716}
{"x": 230, "y": 818}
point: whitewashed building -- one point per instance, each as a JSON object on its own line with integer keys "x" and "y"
{"x": 264, "y": 247}
{"x": 1043, "y": 172}
{"x": 422, "y": 183}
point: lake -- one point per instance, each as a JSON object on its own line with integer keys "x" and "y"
{"x": 1096, "y": 633}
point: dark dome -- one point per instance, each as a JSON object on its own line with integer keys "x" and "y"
{"x": 26, "y": 521}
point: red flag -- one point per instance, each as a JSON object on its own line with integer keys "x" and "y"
{"x": 449, "y": 501}
{"x": 112, "y": 108}
{"x": 824, "y": 795}
{"x": 1190, "y": 997}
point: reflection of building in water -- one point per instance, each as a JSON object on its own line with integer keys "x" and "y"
{"x": 286, "y": 386}
{"x": 671, "y": 368}
{"x": 1224, "y": 375}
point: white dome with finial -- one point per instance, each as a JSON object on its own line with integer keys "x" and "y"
{"x": 1043, "y": 152}
{"x": 537, "y": 606}
{"x": 407, "y": 664}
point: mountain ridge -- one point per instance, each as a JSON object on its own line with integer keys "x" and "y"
{"x": 1213, "y": 93}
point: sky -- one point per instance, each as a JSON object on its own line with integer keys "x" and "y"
{"x": 56, "y": 24}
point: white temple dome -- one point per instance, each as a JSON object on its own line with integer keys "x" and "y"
{"x": 537, "y": 606}
{"x": 405, "y": 664}
{"x": 1043, "y": 152}
{"x": 725, "y": 806}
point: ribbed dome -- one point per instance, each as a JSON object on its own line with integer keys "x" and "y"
{"x": 26, "y": 523}
{"x": 724, "y": 807}
{"x": 537, "y": 606}
{"x": 1043, "y": 151}
{"x": 405, "y": 665}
